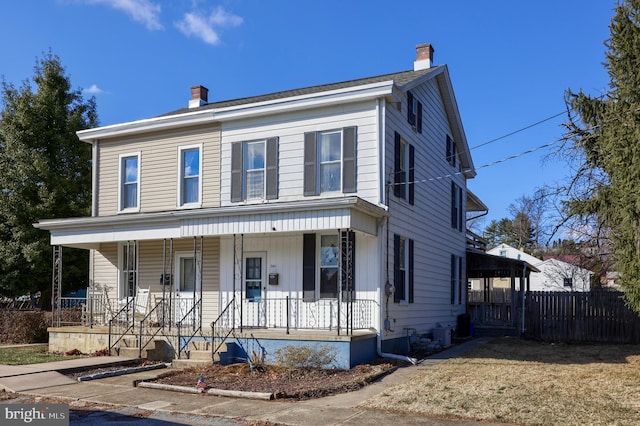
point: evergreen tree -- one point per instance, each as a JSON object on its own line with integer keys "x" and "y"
{"x": 606, "y": 131}
{"x": 46, "y": 173}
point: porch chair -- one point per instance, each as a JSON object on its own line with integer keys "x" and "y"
{"x": 97, "y": 307}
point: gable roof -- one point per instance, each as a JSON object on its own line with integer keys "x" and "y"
{"x": 400, "y": 79}
{"x": 385, "y": 85}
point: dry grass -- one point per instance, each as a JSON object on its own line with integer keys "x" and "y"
{"x": 529, "y": 383}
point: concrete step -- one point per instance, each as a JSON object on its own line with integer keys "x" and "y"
{"x": 199, "y": 345}
{"x": 186, "y": 363}
{"x": 205, "y": 355}
{"x": 131, "y": 352}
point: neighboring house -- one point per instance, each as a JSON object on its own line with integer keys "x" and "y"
{"x": 554, "y": 275}
{"x": 337, "y": 208}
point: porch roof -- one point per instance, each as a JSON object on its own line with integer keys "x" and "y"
{"x": 484, "y": 265}
{"x": 297, "y": 216}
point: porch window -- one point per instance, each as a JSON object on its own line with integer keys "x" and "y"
{"x": 189, "y": 190}
{"x": 129, "y": 177}
{"x": 328, "y": 266}
{"x": 128, "y": 269}
{"x": 330, "y": 161}
{"x": 254, "y": 170}
{"x": 403, "y": 269}
{"x": 322, "y": 257}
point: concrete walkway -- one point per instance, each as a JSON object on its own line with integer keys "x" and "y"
{"x": 342, "y": 409}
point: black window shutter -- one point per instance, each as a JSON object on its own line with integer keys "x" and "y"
{"x": 349, "y": 159}
{"x": 412, "y": 174}
{"x": 398, "y": 295}
{"x": 310, "y": 164}
{"x": 453, "y": 279}
{"x": 236, "y": 172}
{"x": 272, "y": 169}
{"x": 453, "y": 153}
{"x": 411, "y": 114}
{"x": 459, "y": 208}
{"x": 460, "y": 280}
{"x": 448, "y": 149}
{"x": 348, "y": 262}
{"x": 454, "y": 206}
{"x": 309, "y": 267}
{"x": 398, "y": 181}
{"x": 410, "y": 271}
{"x": 419, "y": 118}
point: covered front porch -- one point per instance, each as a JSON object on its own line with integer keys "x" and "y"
{"x": 219, "y": 277}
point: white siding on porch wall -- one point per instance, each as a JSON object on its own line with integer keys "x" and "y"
{"x": 290, "y": 129}
{"x": 105, "y": 270}
{"x": 427, "y": 222}
{"x": 284, "y": 256}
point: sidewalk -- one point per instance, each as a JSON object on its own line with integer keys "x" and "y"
{"x": 339, "y": 409}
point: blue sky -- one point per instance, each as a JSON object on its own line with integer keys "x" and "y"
{"x": 510, "y": 61}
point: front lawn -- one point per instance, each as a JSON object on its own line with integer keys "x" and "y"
{"x": 529, "y": 383}
{"x": 32, "y": 354}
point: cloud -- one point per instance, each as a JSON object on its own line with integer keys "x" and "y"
{"x": 206, "y": 27}
{"x": 93, "y": 90}
{"x": 144, "y": 11}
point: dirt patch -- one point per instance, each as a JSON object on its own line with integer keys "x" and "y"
{"x": 289, "y": 383}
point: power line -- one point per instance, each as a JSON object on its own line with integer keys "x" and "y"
{"x": 519, "y": 130}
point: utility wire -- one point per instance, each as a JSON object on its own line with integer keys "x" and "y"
{"x": 519, "y": 130}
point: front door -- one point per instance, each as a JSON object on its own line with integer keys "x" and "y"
{"x": 187, "y": 286}
{"x": 255, "y": 290}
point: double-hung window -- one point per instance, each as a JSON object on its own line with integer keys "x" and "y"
{"x": 190, "y": 179}
{"x": 328, "y": 265}
{"x": 403, "y": 269}
{"x": 404, "y": 166}
{"x": 254, "y": 170}
{"x": 129, "y": 177}
{"x": 451, "y": 153}
{"x": 330, "y": 161}
{"x": 414, "y": 112}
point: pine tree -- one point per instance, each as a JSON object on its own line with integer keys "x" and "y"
{"x": 606, "y": 131}
{"x": 46, "y": 173}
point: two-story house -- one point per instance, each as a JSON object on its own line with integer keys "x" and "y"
{"x": 332, "y": 214}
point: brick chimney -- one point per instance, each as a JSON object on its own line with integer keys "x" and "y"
{"x": 424, "y": 57}
{"x": 199, "y": 96}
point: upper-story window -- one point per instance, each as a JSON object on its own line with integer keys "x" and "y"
{"x": 451, "y": 151}
{"x": 414, "y": 112}
{"x": 330, "y": 161}
{"x": 456, "y": 280}
{"x": 404, "y": 166}
{"x": 456, "y": 207}
{"x": 190, "y": 182}
{"x": 254, "y": 170}
{"x": 129, "y": 178}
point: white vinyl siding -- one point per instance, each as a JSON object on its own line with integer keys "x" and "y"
{"x": 428, "y": 221}
{"x": 159, "y": 168}
{"x": 290, "y": 130}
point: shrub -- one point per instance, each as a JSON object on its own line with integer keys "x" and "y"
{"x": 31, "y": 326}
{"x": 305, "y": 356}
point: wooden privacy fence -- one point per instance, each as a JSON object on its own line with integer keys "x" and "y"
{"x": 596, "y": 316}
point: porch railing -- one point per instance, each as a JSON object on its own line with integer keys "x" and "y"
{"x": 295, "y": 313}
